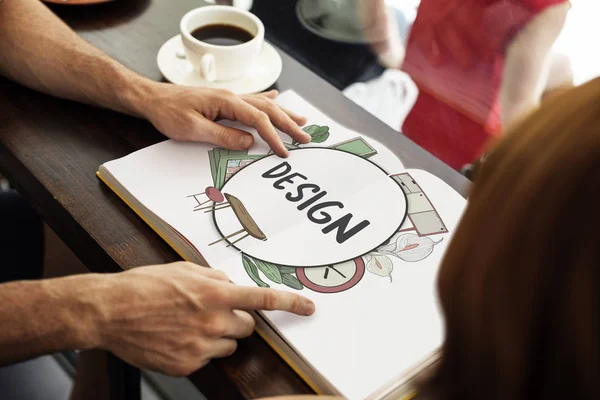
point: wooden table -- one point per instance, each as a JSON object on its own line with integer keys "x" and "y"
{"x": 50, "y": 150}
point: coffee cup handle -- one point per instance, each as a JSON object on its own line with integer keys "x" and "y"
{"x": 207, "y": 67}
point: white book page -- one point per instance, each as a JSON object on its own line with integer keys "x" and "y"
{"x": 377, "y": 313}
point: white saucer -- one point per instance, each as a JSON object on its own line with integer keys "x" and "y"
{"x": 316, "y": 24}
{"x": 323, "y": 24}
{"x": 176, "y": 69}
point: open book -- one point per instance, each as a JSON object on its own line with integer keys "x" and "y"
{"x": 340, "y": 220}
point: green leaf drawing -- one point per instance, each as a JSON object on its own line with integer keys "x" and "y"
{"x": 253, "y": 272}
{"x": 270, "y": 270}
{"x": 318, "y": 133}
{"x": 291, "y": 281}
{"x": 286, "y": 270}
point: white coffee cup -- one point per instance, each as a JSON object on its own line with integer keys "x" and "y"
{"x": 221, "y": 63}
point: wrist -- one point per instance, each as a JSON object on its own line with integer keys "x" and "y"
{"x": 137, "y": 94}
{"x": 80, "y": 301}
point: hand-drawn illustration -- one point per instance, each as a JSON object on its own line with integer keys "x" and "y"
{"x": 331, "y": 279}
{"x": 310, "y": 197}
{"x": 422, "y": 215}
{"x": 411, "y": 244}
{"x": 252, "y": 271}
{"x": 248, "y": 224}
{"x": 275, "y": 273}
{"x": 409, "y": 247}
{"x": 224, "y": 163}
{"x": 334, "y": 278}
{"x": 379, "y": 265}
{"x": 358, "y": 146}
{"x": 211, "y": 193}
{"x": 318, "y": 134}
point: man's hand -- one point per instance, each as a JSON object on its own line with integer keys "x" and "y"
{"x": 175, "y": 318}
{"x": 172, "y": 318}
{"x": 92, "y": 77}
{"x": 186, "y": 113}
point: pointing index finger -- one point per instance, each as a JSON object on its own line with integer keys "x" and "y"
{"x": 254, "y": 299}
{"x": 259, "y": 120}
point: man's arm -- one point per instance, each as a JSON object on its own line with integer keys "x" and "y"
{"x": 528, "y": 63}
{"x": 169, "y": 318}
{"x": 40, "y": 51}
{"x": 40, "y": 317}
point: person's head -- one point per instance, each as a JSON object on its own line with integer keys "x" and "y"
{"x": 520, "y": 283}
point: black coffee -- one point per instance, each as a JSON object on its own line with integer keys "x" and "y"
{"x": 222, "y": 34}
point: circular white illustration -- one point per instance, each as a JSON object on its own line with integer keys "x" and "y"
{"x": 317, "y": 207}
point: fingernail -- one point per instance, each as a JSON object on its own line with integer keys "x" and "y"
{"x": 283, "y": 153}
{"x": 308, "y": 307}
{"x": 246, "y": 141}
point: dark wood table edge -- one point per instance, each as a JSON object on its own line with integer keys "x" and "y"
{"x": 124, "y": 380}
{"x": 53, "y": 213}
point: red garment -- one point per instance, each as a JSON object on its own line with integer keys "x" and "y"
{"x": 455, "y": 55}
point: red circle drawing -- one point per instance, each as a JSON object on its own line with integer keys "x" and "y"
{"x": 214, "y": 194}
{"x": 321, "y": 285}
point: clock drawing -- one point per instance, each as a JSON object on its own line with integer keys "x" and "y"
{"x": 334, "y": 278}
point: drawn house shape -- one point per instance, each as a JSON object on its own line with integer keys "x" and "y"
{"x": 421, "y": 211}
{"x": 227, "y": 166}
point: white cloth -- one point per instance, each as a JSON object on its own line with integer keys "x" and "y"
{"x": 389, "y": 97}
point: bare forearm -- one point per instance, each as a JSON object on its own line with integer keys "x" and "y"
{"x": 40, "y": 317}
{"x": 41, "y": 52}
{"x": 528, "y": 63}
